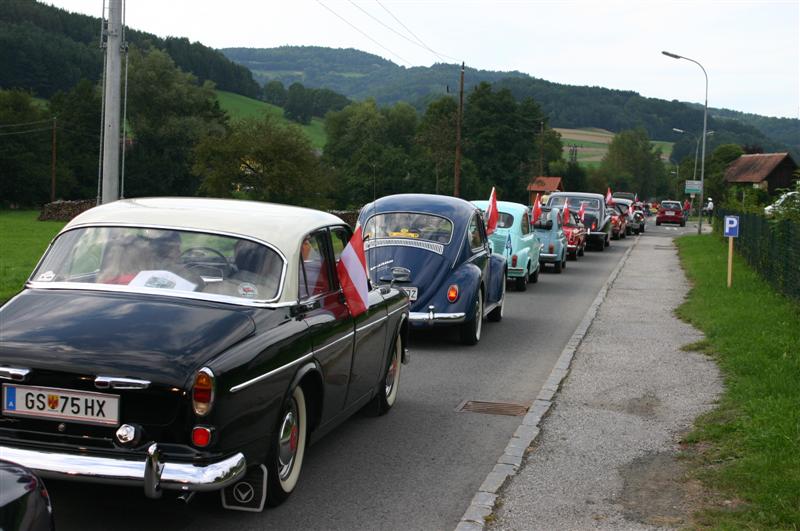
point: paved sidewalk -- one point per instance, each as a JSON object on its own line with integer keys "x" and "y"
{"x": 605, "y": 456}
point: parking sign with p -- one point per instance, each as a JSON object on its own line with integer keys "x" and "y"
{"x": 731, "y": 226}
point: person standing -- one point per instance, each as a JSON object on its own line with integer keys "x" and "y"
{"x": 686, "y": 208}
{"x": 710, "y": 209}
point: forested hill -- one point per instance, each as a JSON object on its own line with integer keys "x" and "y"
{"x": 360, "y": 75}
{"x": 45, "y": 49}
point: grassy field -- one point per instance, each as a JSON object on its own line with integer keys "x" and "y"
{"x": 747, "y": 451}
{"x": 240, "y": 107}
{"x": 593, "y": 144}
{"x": 22, "y": 242}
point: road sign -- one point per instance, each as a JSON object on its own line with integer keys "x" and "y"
{"x": 731, "y": 226}
{"x": 693, "y": 187}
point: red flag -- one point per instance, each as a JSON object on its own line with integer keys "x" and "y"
{"x": 609, "y": 198}
{"x": 491, "y": 213}
{"x": 352, "y": 270}
{"x": 636, "y": 198}
{"x": 582, "y": 210}
{"x": 565, "y": 212}
{"x": 537, "y": 209}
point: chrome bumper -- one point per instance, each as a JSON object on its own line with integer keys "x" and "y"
{"x": 431, "y": 317}
{"x": 572, "y": 247}
{"x": 549, "y": 257}
{"x": 151, "y": 473}
{"x": 596, "y": 234}
{"x": 514, "y": 272}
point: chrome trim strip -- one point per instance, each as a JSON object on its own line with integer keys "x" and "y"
{"x": 437, "y": 248}
{"x": 543, "y": 256}
{"x": 335, "y": 341}
{"x": 14, "y": 374}
{"x": 248, "y": 383}
{"x": 113, "y": 382}
{"x": 400, "y": 309}
{"x": 432, "y": 317}
{"x": 121, "y": 471}
{"x": 373, "y": 323}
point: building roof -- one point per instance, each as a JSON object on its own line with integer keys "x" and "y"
{"x": 545, "y": 184}
{"x": 753, "y": 168}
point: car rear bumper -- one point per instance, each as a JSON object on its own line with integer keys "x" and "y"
{"x": 670, "y": 219}
{"x": 514, "y": 272}
{"x": 432, "y": 317}
{"x": 549, "y": 257}
{"x": 149, "y": 472}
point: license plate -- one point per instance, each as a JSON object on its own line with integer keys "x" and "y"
{"x": 60, "y": 404}
{"x": 412, "y": 293}
{"x": 670, "y": 213}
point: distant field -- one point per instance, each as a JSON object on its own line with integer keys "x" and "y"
{"x": 240, "y": 107}
{"x": 593, "y": 144}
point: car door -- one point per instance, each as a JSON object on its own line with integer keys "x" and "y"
{"x": 528, "y": 240}
{"x": 368, "y": 358}
{"x": 331, "y": 327}
{"x": 478, "y": 244}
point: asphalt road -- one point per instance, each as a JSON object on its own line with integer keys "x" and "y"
{"x": 415, "y": 468}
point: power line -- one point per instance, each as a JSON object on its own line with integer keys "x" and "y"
{"x": 362, "y": 33}
{"x": 413, "y": 34}
{"x": 26, "y": 132}
{"x": 26, "y": 123}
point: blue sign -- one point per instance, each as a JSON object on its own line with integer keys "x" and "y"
{"x": 731, "y": 226}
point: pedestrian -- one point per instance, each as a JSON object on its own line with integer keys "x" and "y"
{"x": 686, "y": 207}
{"x": 710, "y": 209}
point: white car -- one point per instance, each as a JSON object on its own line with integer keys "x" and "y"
{"x": 783, "y": 201}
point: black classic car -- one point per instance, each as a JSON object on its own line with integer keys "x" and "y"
{"x": 24, "y": 501}
{"x": 191, "y": 345}
{"x": 437, "y": 249}
{"x": 597, "y": 216}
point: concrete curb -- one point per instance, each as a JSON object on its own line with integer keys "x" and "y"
{"x": 482, "y": 504}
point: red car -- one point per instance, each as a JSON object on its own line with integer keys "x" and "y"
{"x": 575, "y": 232}
{"x": 619, "y": 220}
{"x": 670, "y": 212}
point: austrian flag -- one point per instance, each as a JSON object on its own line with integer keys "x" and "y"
{"x": 352, "y": 270}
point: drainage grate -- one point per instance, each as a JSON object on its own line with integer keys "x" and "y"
{"x": 493, "y": 408}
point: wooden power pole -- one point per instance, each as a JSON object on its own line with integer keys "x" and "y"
{"x": 457, "y": 176}
{"x": 53, "y": 164}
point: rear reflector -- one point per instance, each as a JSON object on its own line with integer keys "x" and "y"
{"x": 201, "y": 436}
{"x": 551, "y": 248}
{"x": 513, "y": 260}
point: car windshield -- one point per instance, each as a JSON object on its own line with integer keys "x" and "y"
{"x": 671, "y": 205}
{"x": 136, "y": 259}
{"x": 575, "y": 202}
{"x": 409, "y": 225}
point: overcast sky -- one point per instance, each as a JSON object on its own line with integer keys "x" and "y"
{"x": 750, "y": 49}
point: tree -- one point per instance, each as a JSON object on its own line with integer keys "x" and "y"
{"x": 436, "y": 137}
{"x": 261, "y": 159}
{"x": 633, "y": 164}
{"x": 25, "y": 148}
{"x": 716, "y": 165}
{"x": 299, "y": 104}
{"x": 275, "y": 93}
{"x": 169, "y": 113}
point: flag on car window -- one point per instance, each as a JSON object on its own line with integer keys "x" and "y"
{"x": 352, "y": 270}
{"x": 565, "y": 219}
{"x": 491, "y": 213}
{"x": 537, "y": 209}
{"x": 582, "y": 210}
{"x": 609, "y": 198}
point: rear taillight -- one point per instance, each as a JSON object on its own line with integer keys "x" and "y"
{"x": 201, "y": 436}
{"x": 513, "y": 260}
{"x": 594, "y": 225}
{"x": 452, "y": 293}
{"x": 551, "y": 248}
{"x": 203, "y": 391}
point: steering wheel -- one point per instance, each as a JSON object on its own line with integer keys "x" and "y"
{"x": 201, "y": 252}
{"x": 208, "y": 258}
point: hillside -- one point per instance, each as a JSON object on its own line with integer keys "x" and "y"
{"x": 238, "y": 107}
{"x": 45, "y": 49}
{"x": 360, "y": 75}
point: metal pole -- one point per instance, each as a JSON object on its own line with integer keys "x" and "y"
{"x": 457, "y": 176}
{"x": 112, "y": 103}
{"x": 53, "y": 165}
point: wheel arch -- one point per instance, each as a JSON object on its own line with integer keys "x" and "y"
{"x": 309, "y": 377}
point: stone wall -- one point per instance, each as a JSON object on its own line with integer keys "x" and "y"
{"x": 64, "y": 210}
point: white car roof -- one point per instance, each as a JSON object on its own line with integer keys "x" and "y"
{"x": 281, "y": 226}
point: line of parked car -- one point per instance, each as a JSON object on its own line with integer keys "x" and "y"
{"x": 186, "y": 344}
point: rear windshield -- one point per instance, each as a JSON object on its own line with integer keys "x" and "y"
{"x": 576, "y": 202}
{"x": 409, "y": 225}
{"x": 135, "y": 259}
{"x": 671, "y": 204}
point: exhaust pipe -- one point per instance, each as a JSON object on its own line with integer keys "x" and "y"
{"x": 185, "y": 497}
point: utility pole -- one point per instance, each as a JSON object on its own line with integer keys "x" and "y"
{"x": 541, "y": 149}
{"x": 457, "y": 176}
{"x": 112, "y": 103}
{"x": 53, "y": 164}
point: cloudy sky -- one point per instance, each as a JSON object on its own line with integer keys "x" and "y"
{"x": 750, "y": 49}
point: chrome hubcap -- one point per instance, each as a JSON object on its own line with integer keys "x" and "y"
{"x": 479, "y": 317}
{"x": 391, "y": 375}
{"x": 287, "y": 441}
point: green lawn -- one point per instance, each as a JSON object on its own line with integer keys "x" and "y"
{"x": 239, "y": 107}
{"x": 747, "y": 451}
{"x": 23, "y": 239}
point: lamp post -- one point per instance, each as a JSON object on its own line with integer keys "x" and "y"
{"x": 705, "y": 124}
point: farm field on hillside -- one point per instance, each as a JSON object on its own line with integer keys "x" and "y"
{"x": 593, "y": 144}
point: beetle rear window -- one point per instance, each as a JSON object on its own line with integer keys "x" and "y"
{"x": 163, "y": 259}
{"x": 410, "y": 225}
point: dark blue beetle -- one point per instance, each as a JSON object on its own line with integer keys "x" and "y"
{"x": 436, "y": 248}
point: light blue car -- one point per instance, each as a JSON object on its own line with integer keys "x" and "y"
{"x": 515, "y": 239}
{"x": 550, "y": 231}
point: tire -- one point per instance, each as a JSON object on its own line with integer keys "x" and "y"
{"x": 496, "y": 315}
{"x": 522, "y": 282}
{"x": 658, "y": 223}
{"x": 535, "y": 276}
{"x": 387, "y": 391}
{"x": 642, "y": 229}
{"x": 471, "y": 330}
{"x": 683, "y": 223}
{"x": 558, "y": 266}
{"x": 288, "y": 447}
{"x": 582, "y": 250}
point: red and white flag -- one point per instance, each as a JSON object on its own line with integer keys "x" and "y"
{"x": 565, "y": 212}
{"x": 491, "y": 213}
{"x": 352, "y": 270}
{"x": 582, "y": 210}
{"x": 609, "y": 197}
{"x": 537, "y": 209}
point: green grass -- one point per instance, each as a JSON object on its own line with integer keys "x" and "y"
{"x": 240, "y": 107}
{"x": 753, "y": 438}
{"x": 666, "y": 147}
{"x": 23, "y": 240}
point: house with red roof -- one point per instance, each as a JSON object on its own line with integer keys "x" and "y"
{"x": 544, "y": 186}
{"x": 768, "y": 171}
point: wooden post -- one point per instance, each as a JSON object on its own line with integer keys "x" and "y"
{"x": 53, "y": 164}
{"x": 730, "y": 260}
{"x": 457, "y": 172}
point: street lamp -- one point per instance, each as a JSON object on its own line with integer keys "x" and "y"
{"x": 705, "y": 123}
{"x": 696, "y": 149}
